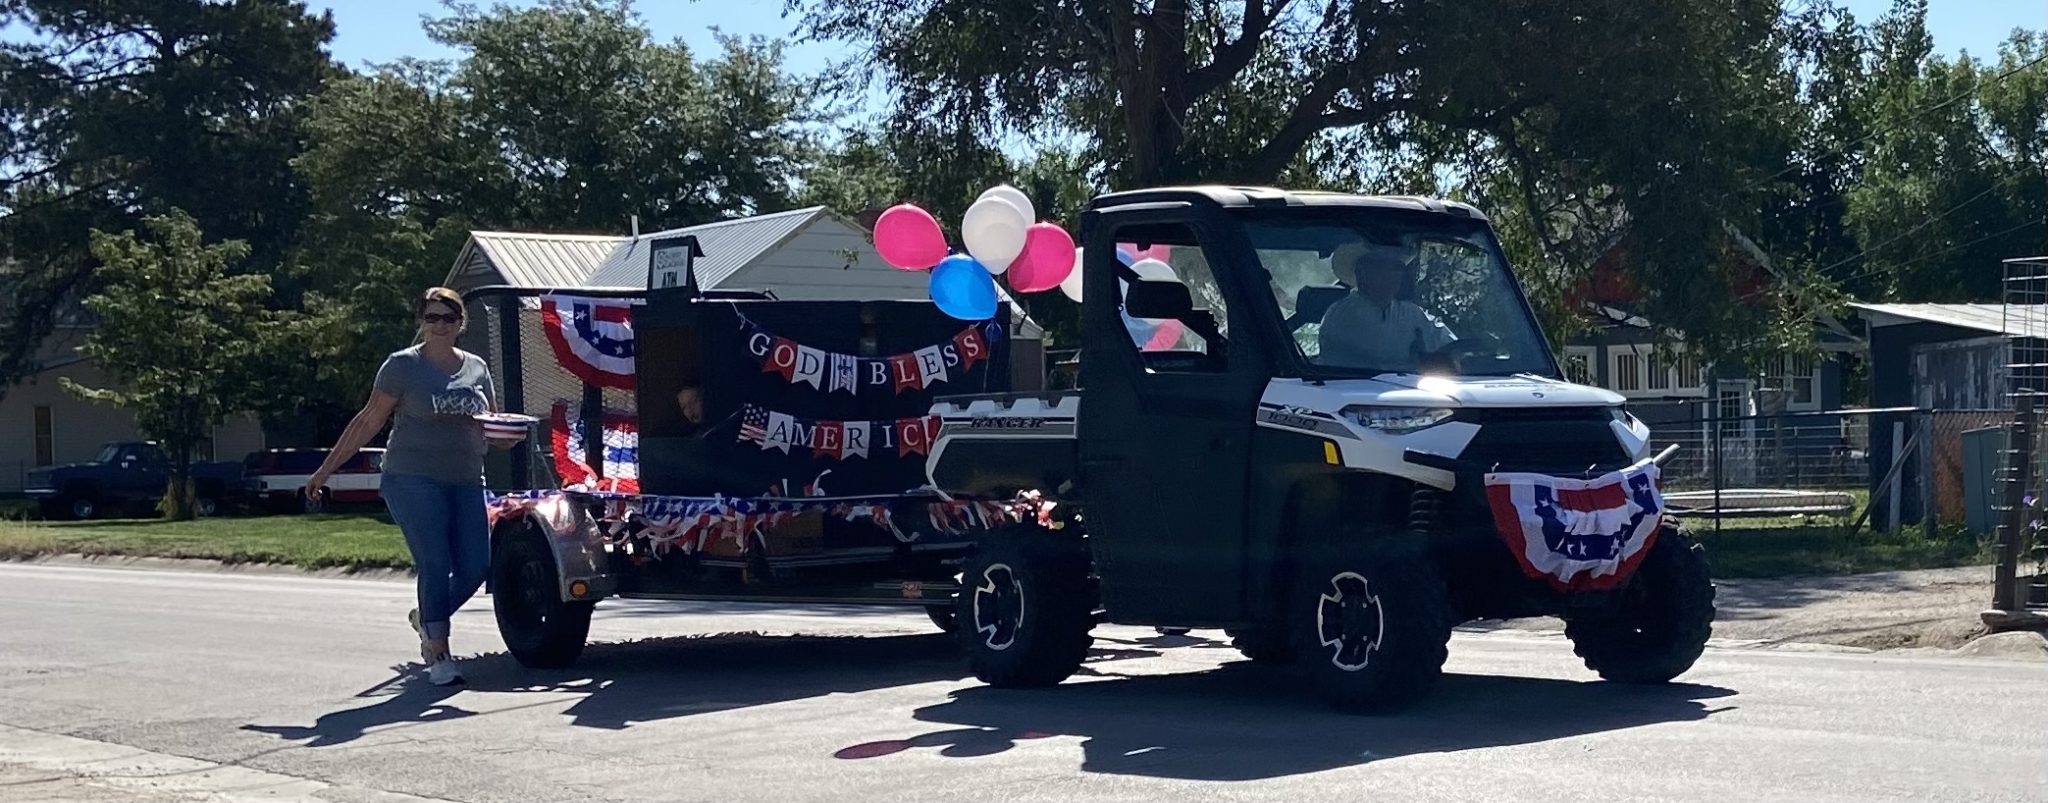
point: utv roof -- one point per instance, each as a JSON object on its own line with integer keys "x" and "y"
{"x": 1266, "y": 197}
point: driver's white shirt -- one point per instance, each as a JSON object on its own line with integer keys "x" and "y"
{"x": 1359, "y": 333}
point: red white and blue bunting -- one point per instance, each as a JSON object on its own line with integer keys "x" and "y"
{"x": 1578, "y": 535}
{"x": 592, "y": 337}
{"x": 656, "y": 525}
{"x": 831, "y": 372}
{"x": 621, "y": 451}
{"x": 839, "y": 440}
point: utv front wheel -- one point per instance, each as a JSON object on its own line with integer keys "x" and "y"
{"x": 1373, "y": 631}
{"x": 1025, "y": 607}
{"x": 1662, "y": 622}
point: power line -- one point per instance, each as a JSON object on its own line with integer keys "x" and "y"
{"x": 1915, "y": 230}
{"x": 1927, "y": 256}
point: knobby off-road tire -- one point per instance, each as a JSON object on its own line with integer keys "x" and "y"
{"x": 1373, "y": 622}
{"x": 1664, "y": 619}
{"x": 542, "y": 630}
{"x": 1264, "y": 646}
{"x": 1025, "y": 607}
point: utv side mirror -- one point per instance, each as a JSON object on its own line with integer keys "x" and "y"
{"x": 1159, "y": 300}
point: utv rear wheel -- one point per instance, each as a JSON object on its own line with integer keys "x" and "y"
{"x": 540, "y": 629}
{"x": 1264, "y": 646}
{"x": 1662, "y": 622}
{"x": 1025, "y": 607}
{"x": 1373, "y": 630}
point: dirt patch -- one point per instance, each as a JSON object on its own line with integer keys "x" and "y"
{"x": 1926, "y": 609}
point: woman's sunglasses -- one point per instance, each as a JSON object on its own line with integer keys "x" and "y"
{"x": 440, "y": 317}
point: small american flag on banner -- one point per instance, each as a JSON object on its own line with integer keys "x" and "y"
{"x": 754, "y": 425}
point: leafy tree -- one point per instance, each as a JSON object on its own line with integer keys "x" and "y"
{"x": 114, "y": 109}
{"x": 178, "y": 333}
{"x": 563, "y": 116}
{"x": 1588, "y": 118}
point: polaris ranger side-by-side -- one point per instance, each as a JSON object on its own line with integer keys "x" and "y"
{"x": 1292, "y": 439}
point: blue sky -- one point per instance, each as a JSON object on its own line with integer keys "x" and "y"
{"x": 375, "y": 31}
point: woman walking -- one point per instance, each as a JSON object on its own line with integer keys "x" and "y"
{"x": 433, "y": 467}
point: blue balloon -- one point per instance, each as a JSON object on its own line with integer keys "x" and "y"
{"x": 964, "y": 289}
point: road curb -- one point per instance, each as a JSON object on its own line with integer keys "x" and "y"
{"x": 208, "y": 565}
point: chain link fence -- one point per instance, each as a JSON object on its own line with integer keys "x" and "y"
{"x": 1882, "y": 469}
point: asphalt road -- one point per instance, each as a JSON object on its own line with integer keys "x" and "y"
{"x": 152, "y": 685}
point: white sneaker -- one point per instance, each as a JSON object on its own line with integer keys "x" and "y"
{"x": 444, "y": 672}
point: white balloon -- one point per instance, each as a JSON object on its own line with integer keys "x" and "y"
{"x": 1071, "y": 285}
{"x": 1014, "y": 196}
{"x": 993, "y": 230}
{"x": 1155, "y": 270}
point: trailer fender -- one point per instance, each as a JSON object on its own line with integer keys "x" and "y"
{"x": 573, "y": 536}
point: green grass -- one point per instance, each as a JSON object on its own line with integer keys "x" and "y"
{"x": 1738, "y": 551}
{"x": 308, "y": 542}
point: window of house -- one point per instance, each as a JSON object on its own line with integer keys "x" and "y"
{"x": 1802, "y": 379}
{"x": 46, "y": 442}
{"x": 1689, "y": 378}
{"x": 1628, "y": 371}
{"x": 1659, "y": 375}
{"x": 1578, "y": 365}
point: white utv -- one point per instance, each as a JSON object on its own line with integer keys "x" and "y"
{"x": 1290, "y": 406}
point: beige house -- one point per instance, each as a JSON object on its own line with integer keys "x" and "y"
{"x": 43, "y": 424}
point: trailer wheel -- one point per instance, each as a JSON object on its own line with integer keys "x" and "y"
{"x": 1264, "y": 645}
{"x": 1025, "y": 607}
{"x": 944, "y": 616}
{"x": 542, "y": 630}
{"x": 1663, "y": 621}
{"x": 1373, "y": 629}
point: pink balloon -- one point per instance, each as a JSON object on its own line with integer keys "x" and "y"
{"x": 1165, "y": 337}
{"x": 1047, "y": 258}
{"x": 1158, "y": 252}
{"x": 909, "y": 238}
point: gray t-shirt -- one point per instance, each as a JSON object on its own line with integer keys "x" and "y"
{"x": 1358, "y": 333}
{"x": 432, "y": 433}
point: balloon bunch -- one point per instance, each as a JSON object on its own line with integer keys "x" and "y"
{"x": 1000, "y": 239}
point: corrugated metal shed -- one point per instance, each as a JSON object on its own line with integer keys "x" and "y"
{"x": 729, "y": 245}
{"x": 1988, "y": 317}
{"x": 535, "y": 260}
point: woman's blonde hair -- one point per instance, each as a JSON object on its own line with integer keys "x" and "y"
{"x": 440, "y": 295}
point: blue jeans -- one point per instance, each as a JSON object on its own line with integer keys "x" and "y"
{"x": 445, "y": 529}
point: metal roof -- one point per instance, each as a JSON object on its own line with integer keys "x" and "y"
{"x": 729, "y": 245}
{"x": 2019, "y": 319}
{"x": 540, "y": 260}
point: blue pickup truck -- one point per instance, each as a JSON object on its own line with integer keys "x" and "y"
{"x": 126, "y": 477}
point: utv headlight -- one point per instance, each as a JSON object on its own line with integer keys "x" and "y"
{"x": 1397, "y": 420}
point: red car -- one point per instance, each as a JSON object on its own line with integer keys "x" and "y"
{"x": 277, "y": 478}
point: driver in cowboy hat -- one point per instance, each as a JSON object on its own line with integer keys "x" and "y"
{"x": 1372, "y": 327}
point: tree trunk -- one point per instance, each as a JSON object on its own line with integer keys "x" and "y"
{"x": 179, "y": 501}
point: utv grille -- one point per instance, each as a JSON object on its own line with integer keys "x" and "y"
{"x": 1567, "y": 440}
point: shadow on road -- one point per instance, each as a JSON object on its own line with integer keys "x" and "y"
{"x": 1246, "y": 722}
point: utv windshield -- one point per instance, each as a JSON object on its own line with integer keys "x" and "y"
{"x": 1372, "y": 291}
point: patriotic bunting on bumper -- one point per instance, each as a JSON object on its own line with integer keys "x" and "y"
{"x": 1578, "y": 535}
{"x": 659, "y": 524}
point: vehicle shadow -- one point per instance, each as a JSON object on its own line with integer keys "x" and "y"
{"x": 620, "y": 684}
{"x": 1246, "y": 722}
